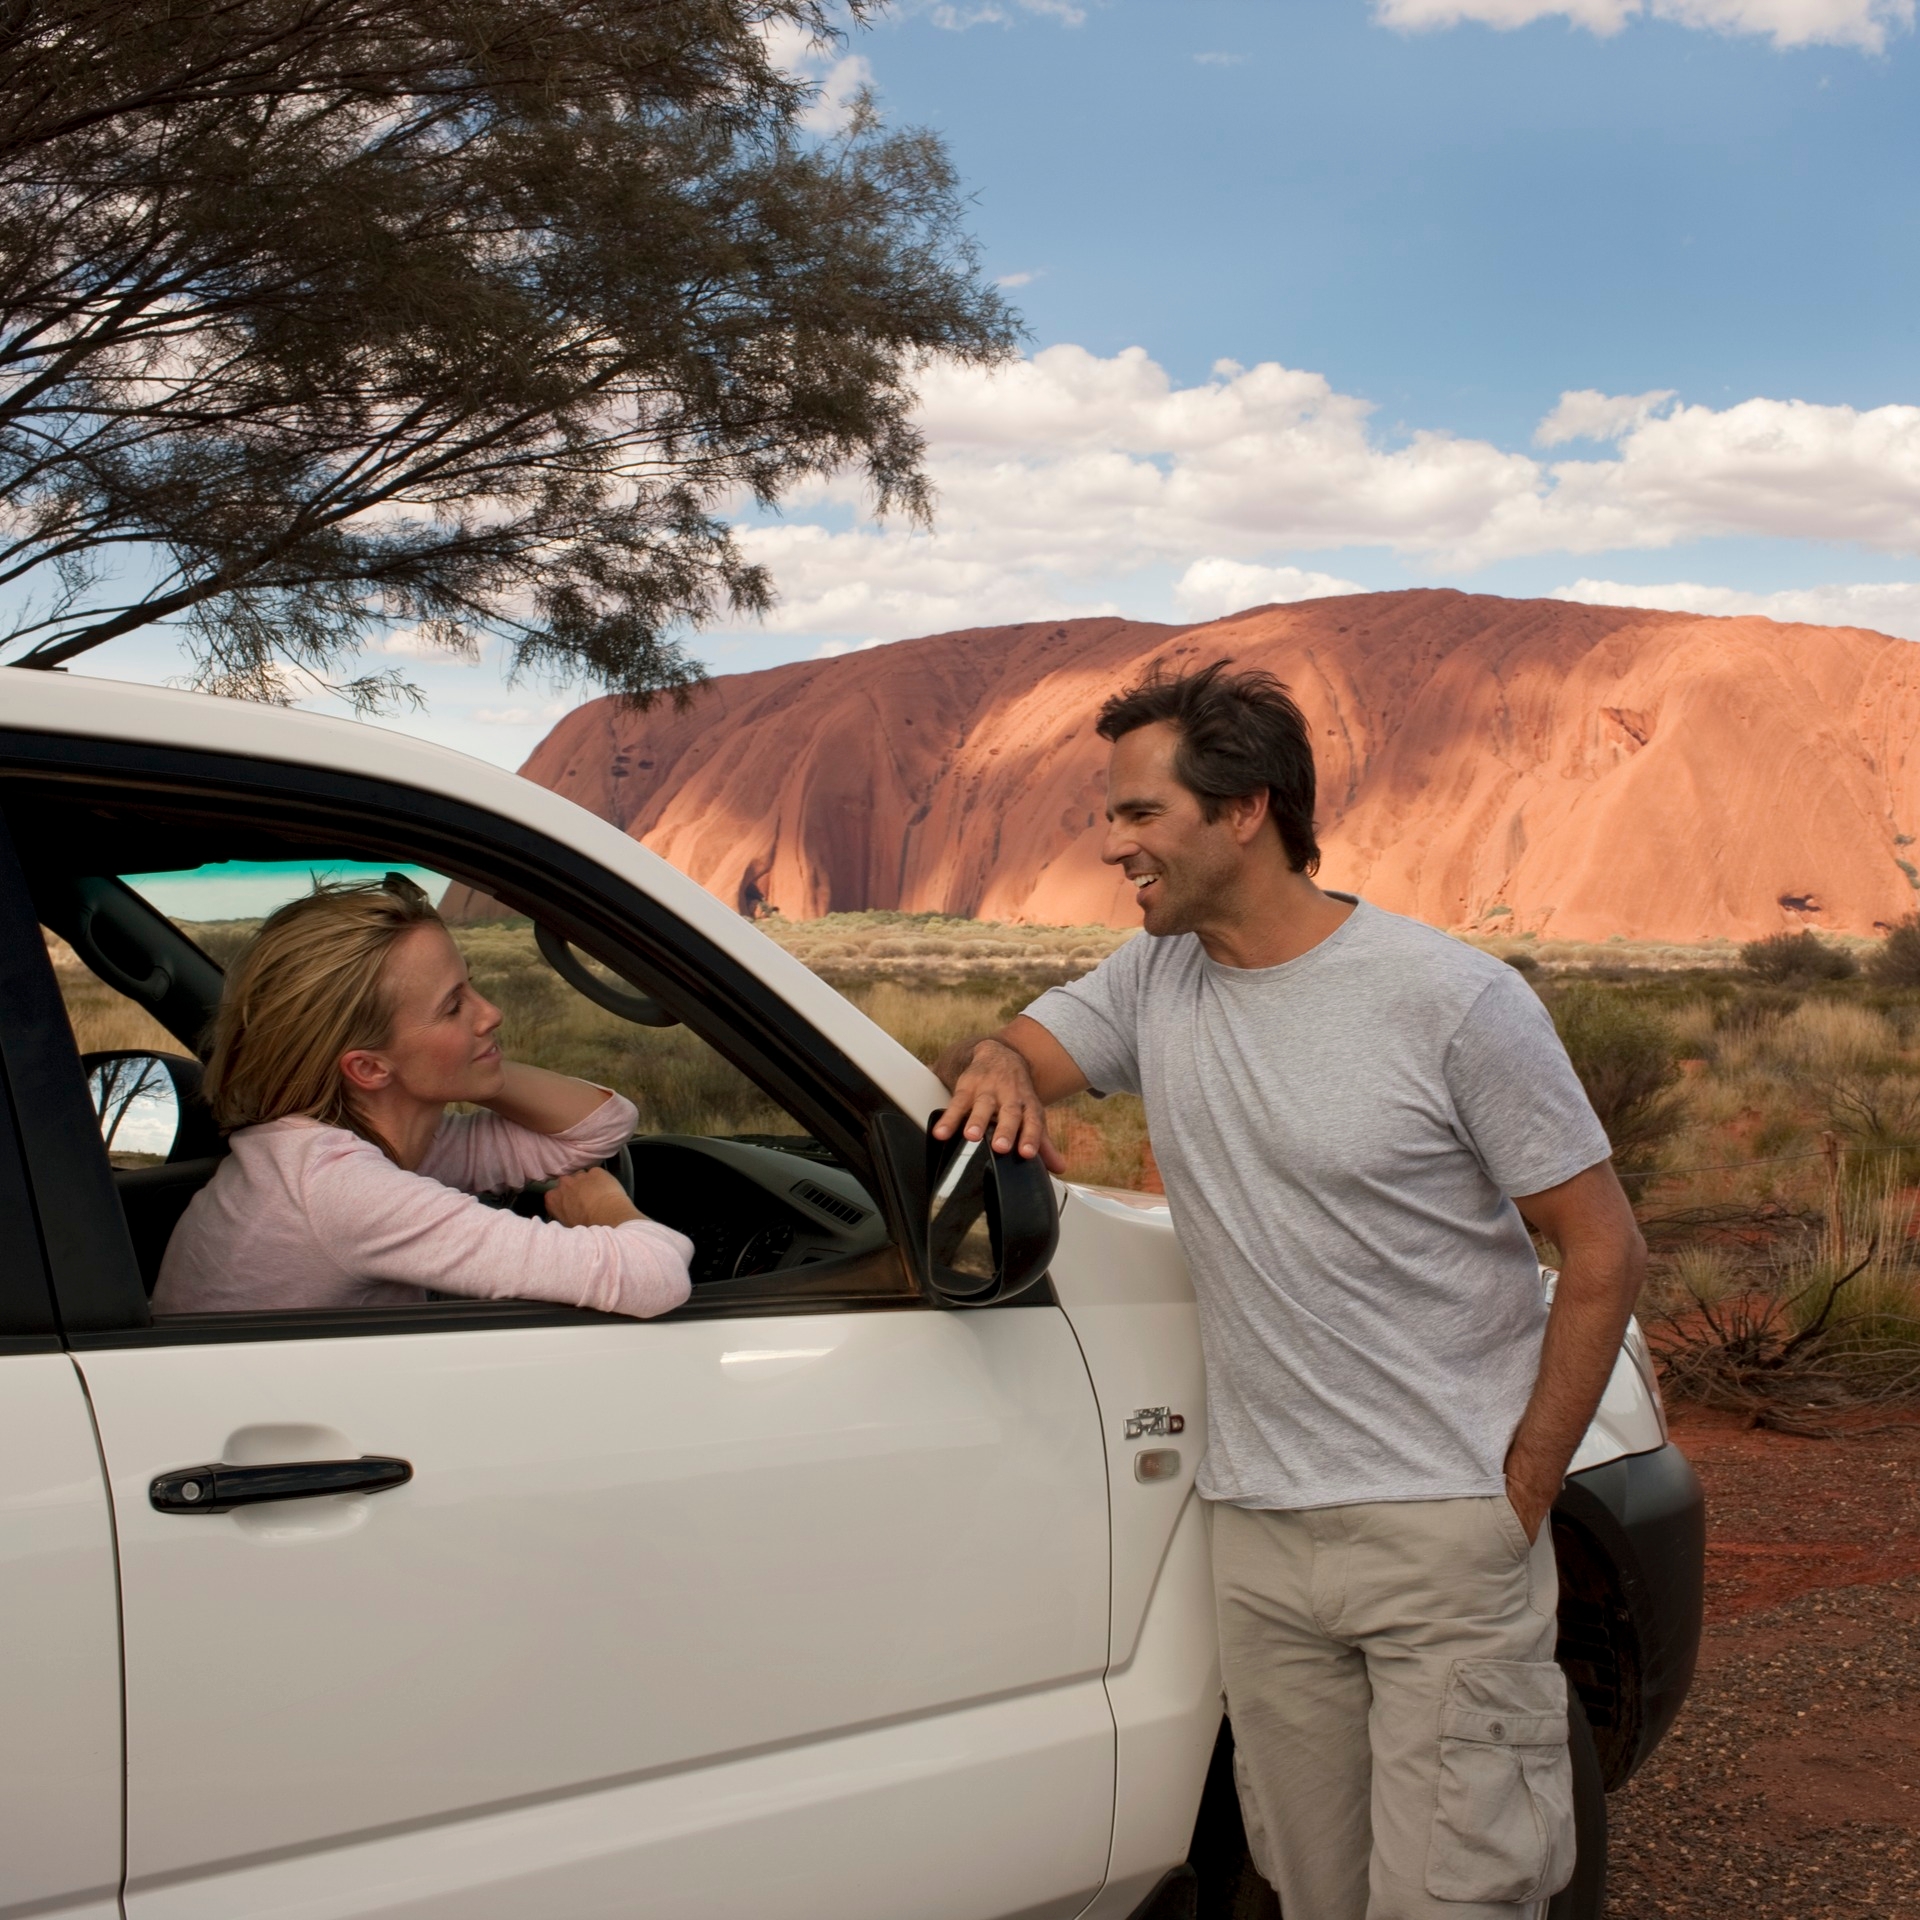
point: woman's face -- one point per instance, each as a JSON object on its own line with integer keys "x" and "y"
{"x": 441, "y": 1046}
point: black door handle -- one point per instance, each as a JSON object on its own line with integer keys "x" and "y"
{"x": 220, "y": 1488}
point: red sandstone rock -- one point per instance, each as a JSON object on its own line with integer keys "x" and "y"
{"x": 1484, "y": 763}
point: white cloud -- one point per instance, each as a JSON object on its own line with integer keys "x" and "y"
{"x": 892, "y": 583}
{"x": 1022, "y": 279}
{"x": 1220, "y": 59}
{"x": 1782, "y": 469}
{"x": 1865, "y": 24}
{"x": 1890, "y": 606}
{"x": 957, "y": 18}
{"x": 838, "y": 79}
{"x": 416, "y": 643}
{"x": 833, "y": 649}
{"x": 841, "y": 86}
{"x": 1213, "y": 586}
{"x": 1590, "y": 415}
{"x": 1060, "y": 475}
{"x": 544, "y": 715}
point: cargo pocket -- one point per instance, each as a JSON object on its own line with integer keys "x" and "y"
{"x": 1503, "y": 1818}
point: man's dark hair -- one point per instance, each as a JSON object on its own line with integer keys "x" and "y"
{"x": 1238, "y": 732}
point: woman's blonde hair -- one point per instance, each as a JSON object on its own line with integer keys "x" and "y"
{"x": 306, "y": 990}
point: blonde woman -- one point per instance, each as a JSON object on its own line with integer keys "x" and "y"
{"x": 345, "y": 1031}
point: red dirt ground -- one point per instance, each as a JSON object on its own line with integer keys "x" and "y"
{"x": 1790, "y": 1788}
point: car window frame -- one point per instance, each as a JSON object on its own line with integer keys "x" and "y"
{"x": 65, "y": 1191}
{"x": 95, "y": 1281}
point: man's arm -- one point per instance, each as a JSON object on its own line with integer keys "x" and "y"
{"x": 1003, "y": 1083}
{"x": 1603, "y": 1263}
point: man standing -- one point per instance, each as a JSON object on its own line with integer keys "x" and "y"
{"x": 1352, "y": 1113}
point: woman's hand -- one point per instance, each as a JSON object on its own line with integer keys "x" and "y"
{"x": 590, "y": 1198}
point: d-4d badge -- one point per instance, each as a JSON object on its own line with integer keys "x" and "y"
{"x": 1155, "y": 1420}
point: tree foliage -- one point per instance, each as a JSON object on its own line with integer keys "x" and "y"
{"x": 478, "y": 315}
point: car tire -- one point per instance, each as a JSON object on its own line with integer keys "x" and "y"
{"x": 1584, "y": 1897}
{"x": 1228, "y": 1884}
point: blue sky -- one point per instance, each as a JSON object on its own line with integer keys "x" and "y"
{"x": 1616, "y": 299}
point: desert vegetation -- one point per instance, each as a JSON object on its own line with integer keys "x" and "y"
{"x": 1764, "y": 1106}
{"x": 1766, "y": 1120}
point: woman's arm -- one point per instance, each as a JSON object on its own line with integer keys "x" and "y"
{"x": 544, "y": 1102}
{"x": 378, "y": 1222}
{"x": 487, "y": 1152}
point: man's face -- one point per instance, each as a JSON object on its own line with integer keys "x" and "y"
{"x": 1184, "y": 867}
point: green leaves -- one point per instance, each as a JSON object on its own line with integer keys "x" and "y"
{"x": 320, "y": 314}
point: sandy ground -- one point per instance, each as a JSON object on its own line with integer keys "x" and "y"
{"x": 1790, "y": 1788}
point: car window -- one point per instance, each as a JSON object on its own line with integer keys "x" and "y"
{"x": 679, "y": 1083}
{"x": 713, "y": 1154}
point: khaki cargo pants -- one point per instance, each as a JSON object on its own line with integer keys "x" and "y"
{"x": 1400, "y": 1728}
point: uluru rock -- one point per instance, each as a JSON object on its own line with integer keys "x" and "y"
{"x": 1521, "y": 765}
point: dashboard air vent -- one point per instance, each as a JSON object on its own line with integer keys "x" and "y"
{"x": 829, "y": 1202}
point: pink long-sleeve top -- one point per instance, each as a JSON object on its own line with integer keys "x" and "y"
{"x": 305, "y": 1215}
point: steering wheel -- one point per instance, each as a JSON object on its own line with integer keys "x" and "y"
{"x": 621, "y": 1167}
{"x": 531, "y": 1201}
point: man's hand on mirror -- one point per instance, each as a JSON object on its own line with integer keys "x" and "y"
{"x": 994, "y": 1096}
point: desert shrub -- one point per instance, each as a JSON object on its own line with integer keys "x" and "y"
{"x": 1831, "y": 1328}
{"x": 1104, "y": 1141}
{"x": 1797, "y": 959}
{"x": 1694, "y": 1272}
{"x": 1629, "y": 1062}
{"x": 1897, "y": 964}
{"x": 1523, "y": 963}
{"x": 1760, "y": 1007}
{"x": 1879, "y": 1115}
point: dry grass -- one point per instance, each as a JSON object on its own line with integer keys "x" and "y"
{"x": 1632, "y": 956}
{"x": 1818, "y": 1038}
{"x": 1766, "y": 1075}
{"x": 678, "y": 1083}
{"x": 1819, "y": 1325}
{"x": 933, "y": 950}
{"x": 103, "y": 1021}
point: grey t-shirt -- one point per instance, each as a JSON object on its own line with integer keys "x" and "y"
{"x": 1340, "y": 1136}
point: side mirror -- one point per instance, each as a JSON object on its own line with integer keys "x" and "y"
{"x": 139, "y": 1103}
{"x": 993, "y": 1223}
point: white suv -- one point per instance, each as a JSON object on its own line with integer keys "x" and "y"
{"x": 869, "y": 1584}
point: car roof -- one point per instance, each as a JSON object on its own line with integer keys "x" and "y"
{"x": 85, "y": 706}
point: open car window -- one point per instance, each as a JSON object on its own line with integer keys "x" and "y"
{"x": 770, "y": 1208}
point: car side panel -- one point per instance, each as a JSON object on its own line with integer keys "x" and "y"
{"x": 871, "y": 1826}
{"x": 1122, "y": 1280}
{"x": 652, "y": 1592}
{"x": 60, "y": 1679}
{"x": 1167, "y": 1703}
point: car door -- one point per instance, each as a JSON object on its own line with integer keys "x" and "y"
{"x": 795, "y": 1602}
{"x": 60, "y": 1660}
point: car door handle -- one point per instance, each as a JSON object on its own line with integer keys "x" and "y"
{"x": 221, "y": 1488}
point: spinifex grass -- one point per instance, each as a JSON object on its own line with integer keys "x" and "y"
{"x": 1829, "y": 1324}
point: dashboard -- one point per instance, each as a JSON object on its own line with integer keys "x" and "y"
{"x": 750, "y": 1208}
